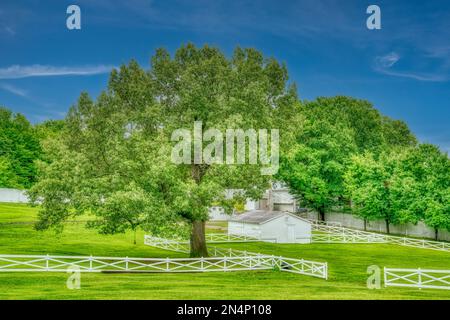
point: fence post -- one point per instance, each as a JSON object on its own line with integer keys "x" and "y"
{"x": 126, "y": 263}
{"x": 385, "y": 277}
{"x": 167, "y": 263}
{"x": 90, "y": 262}
{"x": 419, "y": 272}
{"x": 46, "y": 262}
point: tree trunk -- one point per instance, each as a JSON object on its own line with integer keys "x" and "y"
{"x": 134, "y": 230}
{"x": 198, "y": 241}
{"x": 322, "y": 214}
{"x": 387, "y": 226}
{"x": 365, "y": 224}
{"x": 436, "y": 233}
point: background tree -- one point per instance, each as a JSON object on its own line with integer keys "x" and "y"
{"x": 397, "y": 133}
{"x": 113, "y": 159}
{"x": 428, "y": 192}
{"x": 332, "y": 130}
{"x": 19, "y": 148}
{"x": 401, "y": 186}
{"x": 315, "y": 166}
{"x": 49, "y": 129}
{"x": 369, "y": 182}
{"x": 8, "y": 178}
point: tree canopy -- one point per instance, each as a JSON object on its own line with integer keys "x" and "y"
{"x": 333, "y": 131}
{"x": 114, "y": 158}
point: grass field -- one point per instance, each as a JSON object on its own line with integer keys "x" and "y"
{"x": 347, "y": 268}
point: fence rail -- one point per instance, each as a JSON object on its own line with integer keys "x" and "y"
{"x": 336, "y": 234}
{"x": 224, "y": 237}
{"x": 299, "y": 266}
{"x": 417, "y": 278}
{"x": 167, "y": 244}
{"x": 345, "y": 238}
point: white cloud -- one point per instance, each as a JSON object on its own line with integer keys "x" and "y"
{"x": 384, "y": 64}
{"x": 37, "y": 70}
{"x": 388, "y": 60}
{"x": 14, "y": 90}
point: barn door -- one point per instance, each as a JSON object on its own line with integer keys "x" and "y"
{"x": 291, "y": 233}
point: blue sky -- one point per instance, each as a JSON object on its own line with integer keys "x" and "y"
{"x": 403, "y": 69}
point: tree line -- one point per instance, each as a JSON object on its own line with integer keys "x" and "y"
{"x": 347, "y": 156}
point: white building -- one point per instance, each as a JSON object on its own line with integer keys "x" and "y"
{"x": 217, "y": 213}
{"x": 13, "y": 195}
{"x": 276, "y": 226}
{"x": 276, "y": 198}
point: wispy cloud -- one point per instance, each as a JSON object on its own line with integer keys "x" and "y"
{"x": 388, "y": 60}
{"x": 10, "y": 31}
{"x": 384, "y": 64}
{"x": 13, "y": 89}
{"x": 37, "y": 70}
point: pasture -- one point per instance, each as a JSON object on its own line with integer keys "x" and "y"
{"x": 347, "y": 265}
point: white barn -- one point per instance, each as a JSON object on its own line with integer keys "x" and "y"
{"x": 276, "y": 226}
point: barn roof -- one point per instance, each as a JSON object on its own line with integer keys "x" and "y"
{"x": 261, "y": 216}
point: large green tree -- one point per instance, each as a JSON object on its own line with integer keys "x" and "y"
{"x": 114, "y": 158}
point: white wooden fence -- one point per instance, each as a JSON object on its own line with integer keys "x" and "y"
{"x": 299, "y": 266}
{"x": 417, "y": 278}
{"x": 222, "y": 260}
{"x": 336, "y": 234}
{"x": 47, "y": 263}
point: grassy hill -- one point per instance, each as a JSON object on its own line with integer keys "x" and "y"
{"x": 347, "y": 268}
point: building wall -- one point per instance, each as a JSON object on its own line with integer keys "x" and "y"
{"x": 276, "y": 229}
{"x": 282, "y": 197}
{"x": 408, "y": 229}
{"x": 284, "y": 207}
{"x": 244, "y": 229}
{"x": 13, "y": 195}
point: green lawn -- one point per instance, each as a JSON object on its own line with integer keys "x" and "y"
{"x": 347, "y": 268}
